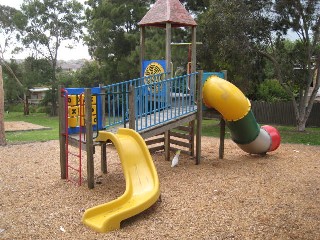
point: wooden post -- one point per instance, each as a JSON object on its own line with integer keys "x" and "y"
{"x": 168, "y": 47}
{"x": 191, "y": 125}
{"x": 89, "y": 137}
{"x": 103, "y": 104}
{"x": 222, "y": 128}
{"x": 222, "y": 136}
{"x": 194, "y": 50}
{"x": 132, "y": 111}
{"x": 142, "y": 47}
{"x": 167, "y": 145}
{"x": 62, "y": 133}
{"x": 104, "y": 166}
{"x": 3, "y": 141}
{"x": 199, "y": 117}
{"x": 168, "y": 99}
{"x": 103, "y": 145}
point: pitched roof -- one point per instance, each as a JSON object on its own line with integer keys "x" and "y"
{"x": 167, "y": 11}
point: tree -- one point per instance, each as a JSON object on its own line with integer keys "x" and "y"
{"x": 242, "y": 35}
{"x": 296, "y": 67}
{"x": 2, "y": 132}
{"x": 14, "y": 91}
{"x": 113, "y": 36}
{"x": 49, "y": 23}
{"x": 10, "y": 20}
{"x": 229, "y": 30}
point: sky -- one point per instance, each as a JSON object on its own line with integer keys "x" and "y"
{"x": 80, "y": 51}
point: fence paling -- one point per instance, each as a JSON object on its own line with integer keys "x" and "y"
{"x": 282, "y": 113}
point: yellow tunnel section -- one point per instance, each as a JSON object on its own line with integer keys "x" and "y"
{"x": 227, "y": 98}
{"x": 236, "y": 110}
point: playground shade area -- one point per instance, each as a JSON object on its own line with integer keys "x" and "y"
{"x": 241, "y": 197}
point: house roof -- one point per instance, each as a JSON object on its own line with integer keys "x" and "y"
{"x": 39, "y": 89}
{"x": 167, "y": 11}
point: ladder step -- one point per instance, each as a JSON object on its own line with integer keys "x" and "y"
{"x": 74, "y": 154}
{"x": 74, "y": 181}
{"x": 76, "y": 169}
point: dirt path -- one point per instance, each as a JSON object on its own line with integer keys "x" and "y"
{"x": 22, "y": 126}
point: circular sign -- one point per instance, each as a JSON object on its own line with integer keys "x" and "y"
{"x": 153, "y": 75}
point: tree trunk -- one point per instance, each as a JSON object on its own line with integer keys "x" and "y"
{"x": 25, "y": 104}
{"x": 54, "y": 107}
{"x": 2, "y": 132}
{"x": 301, "y": 125}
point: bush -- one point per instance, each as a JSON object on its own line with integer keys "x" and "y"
{"x": 272, "y": 91}
{"x": 15, "y": 107}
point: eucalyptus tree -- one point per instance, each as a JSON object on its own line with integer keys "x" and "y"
{"x": 297, "y": 67}
{"x": 49, "y": 23}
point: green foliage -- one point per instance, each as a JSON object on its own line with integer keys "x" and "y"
{"x": 272, "y": 91}
{"x": 37, "y": 72}
{"x": 49, "y": 23}
{"x": 13, "y": 92}
{"x": 113, "y": 36}
{"x": 230, "y": 46}
{"x": 10, "y": 20}
{"x": 66, "y": 78}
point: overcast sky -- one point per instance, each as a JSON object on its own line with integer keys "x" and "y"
{"x": 78, "y": 52}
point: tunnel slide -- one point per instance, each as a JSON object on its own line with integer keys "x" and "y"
{"x": 236, "y": 110}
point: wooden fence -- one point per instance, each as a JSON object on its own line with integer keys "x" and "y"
{"x": 280, "y": 113}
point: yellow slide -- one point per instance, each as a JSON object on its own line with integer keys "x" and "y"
{"x": 142, "y": 183}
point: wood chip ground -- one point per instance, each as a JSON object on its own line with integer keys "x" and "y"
{"x": 240, "y": 197}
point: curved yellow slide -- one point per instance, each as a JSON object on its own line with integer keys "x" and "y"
{"x": 142, "y": 182}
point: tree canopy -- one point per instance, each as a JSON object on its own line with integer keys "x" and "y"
{"x": 48, "y": 24}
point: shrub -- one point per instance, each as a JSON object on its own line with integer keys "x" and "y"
{"x": 272, "y": 91}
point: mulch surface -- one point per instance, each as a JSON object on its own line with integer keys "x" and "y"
{"x": 240, "y": 197}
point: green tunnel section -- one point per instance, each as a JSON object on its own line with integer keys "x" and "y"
{"x": 245, "y": 130}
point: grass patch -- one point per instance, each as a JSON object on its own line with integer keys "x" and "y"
{"x": 210, "y": 128}
{"x": 37, "y": 135}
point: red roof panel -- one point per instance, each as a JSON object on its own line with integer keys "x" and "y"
{"x": 167, "y": 11}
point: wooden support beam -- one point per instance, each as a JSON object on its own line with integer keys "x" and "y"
{"x": 142, "y": 47}
{"x": 222, "y": 127}
{"x": 167, "y": 145}
{"x": 103, "y": 104}
{"x": 191, "y": 140}
{"x": 89, "y": 139}
{"x": 199, "y": 117}
{"x": 62, "y": 134}
{"x": 155, "y": 149}
{"x": 104, "y": 166}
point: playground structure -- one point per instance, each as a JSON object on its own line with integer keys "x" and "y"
{"x": 166, "y": 108}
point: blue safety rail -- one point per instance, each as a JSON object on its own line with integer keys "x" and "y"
{"x": 165, "y": 101}
{"x": 117, "y": 98}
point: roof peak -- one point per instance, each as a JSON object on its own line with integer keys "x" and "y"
{"x": 167, "y": 11}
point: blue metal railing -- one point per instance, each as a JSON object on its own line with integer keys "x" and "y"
{"x": 157, "y": 100}
{"x": 117, "y": 98}
{"x": 164, "y": 101}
